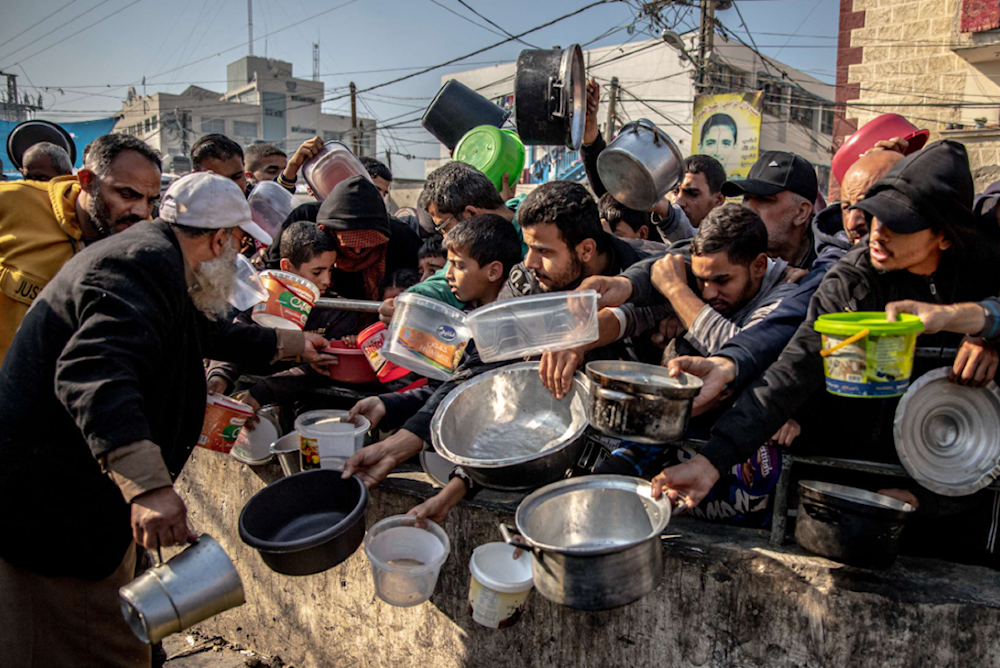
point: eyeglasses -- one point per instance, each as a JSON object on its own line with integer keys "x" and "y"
{"x": 440, "y": 228}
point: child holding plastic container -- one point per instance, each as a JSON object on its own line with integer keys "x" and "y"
{"x": 481, "y": 252}
{"x": 309, "y": 252}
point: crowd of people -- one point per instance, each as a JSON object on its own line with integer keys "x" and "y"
{"x": 115, "y": 319}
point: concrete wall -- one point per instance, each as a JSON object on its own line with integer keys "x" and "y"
{"x": 910, "y": 58}
{"x": 727, "y": 599}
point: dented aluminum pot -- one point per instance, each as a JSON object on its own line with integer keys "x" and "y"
{"x": 640, "y": 402}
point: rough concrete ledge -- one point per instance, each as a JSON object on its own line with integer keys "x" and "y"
{"x": 727, "y": 598}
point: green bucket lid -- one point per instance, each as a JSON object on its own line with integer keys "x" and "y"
{"x": 847, "y": 324}
{"x": 492, "y": 151}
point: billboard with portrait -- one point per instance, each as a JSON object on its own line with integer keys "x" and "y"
{"x": 727, "y": 127}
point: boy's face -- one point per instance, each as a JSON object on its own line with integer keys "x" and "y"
{"x": 430, "y": 265}
{"x": 316, "y": 270}
{"x": 468, "y": 281}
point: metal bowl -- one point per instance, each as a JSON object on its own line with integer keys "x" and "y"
{"x": 947, "y": 435}
{"x": 508, "y": 432}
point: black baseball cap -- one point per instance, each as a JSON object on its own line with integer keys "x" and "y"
{"x": 773, "y": 172}
{"x": 932, "y": 184}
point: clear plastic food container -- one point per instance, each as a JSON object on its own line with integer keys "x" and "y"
{"x": 330, "y": 166}
{"x": 526, "y": 326}
{"x": 426, "y": 336}
{"x": 270, "y": 205}
{"x": 406, "y": 560}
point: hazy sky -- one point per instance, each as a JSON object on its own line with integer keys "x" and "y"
{"x": 176, "y": 43}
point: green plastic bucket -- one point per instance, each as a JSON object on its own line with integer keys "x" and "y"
{"x": 492, "y": 151}
{"x": 874, "y": 367}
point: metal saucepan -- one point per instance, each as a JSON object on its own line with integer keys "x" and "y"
{"x": 850, "y": 525}
{"x": 640, "y": 402}
{"x": 641, "y": 165}
{"x": 550, "y": 96}
{"x": 508, "y": 432}
{"x": 594, "y": 541}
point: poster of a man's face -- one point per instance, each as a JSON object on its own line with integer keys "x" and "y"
{"x": 727, "y": 128}
{"x": 718, "y": 139}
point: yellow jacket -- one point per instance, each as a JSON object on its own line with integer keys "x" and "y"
{"x": 38, "y": 235}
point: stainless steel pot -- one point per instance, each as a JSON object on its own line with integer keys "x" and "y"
{"x": 550, "y": 96}
{"x": 594, "y": 541}
{"x": 189, "y": 588}
{"x": 641, "y": 165}
{"x": 288, "y": 451}
{"x": 508, "y": 432}
{"x": 640, "y": 402}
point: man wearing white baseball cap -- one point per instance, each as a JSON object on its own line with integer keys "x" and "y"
{"x": 102, "y": 398}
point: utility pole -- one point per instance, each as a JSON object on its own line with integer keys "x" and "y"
{"x": 250, "y": 25}
{"x": 184, "y": 116}
{"x": 12, "y": 106}
{"x": 612, "y": 107}
{"x": 354, "y": 116}
{"x": 315, "y": 61}
{"x": 706, "y": 39}
{"x": 388, "y": 159}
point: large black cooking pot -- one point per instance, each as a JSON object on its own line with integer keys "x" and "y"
{"x": 307, "y": 522}
{"x": 850, "y": 525}
{"x": 456, "y": 109}
{"x": 550, "y": 96}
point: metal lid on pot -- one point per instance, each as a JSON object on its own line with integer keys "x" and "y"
{"x": 639, "y": 377}
{"x": 854, "y": 495}
{"x": 948, "y": 436}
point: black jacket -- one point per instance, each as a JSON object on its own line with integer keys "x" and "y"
{"x": 852, "y": 428}
{"x": 109, "y": 354}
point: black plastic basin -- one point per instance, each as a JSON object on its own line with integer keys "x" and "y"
{"x": 307, "y": 522}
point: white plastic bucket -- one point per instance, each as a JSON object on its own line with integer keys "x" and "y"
{"x": 327, "y": 439}
{"x": 406, "y": 560}
{"x": 499, "y": 586}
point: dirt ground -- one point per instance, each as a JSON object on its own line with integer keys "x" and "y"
{"x": 192, "y": 650}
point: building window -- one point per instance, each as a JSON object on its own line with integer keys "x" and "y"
{"x": 299, "y": 128}
{"x": 301, "y": 98}
{"x": 146, "y": 125}
{"x": 245, "y": 129}
{"x": 332, "y": 136}
{"x": 804, "y": 116}
{"x": 773, "y": 93}
{"x": 274, "y": 113}
{"x": 213, "y": 126}
{"x": 826, "y": 124}
{"x": 153, "y": 124}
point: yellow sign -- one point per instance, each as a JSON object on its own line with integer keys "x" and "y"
{"x": 727, "y": 127}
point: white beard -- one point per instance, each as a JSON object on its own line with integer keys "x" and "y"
{"x": 216, "y": 279}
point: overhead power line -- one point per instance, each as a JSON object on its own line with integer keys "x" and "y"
{"x": 467, "y": 6}
{"x": 34, "y": 25}
{"x": 53, "y": 30}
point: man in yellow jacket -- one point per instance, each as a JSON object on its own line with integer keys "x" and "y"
{"x": 44, "y": 224}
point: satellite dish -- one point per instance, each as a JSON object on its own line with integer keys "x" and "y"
{"x": 722, "y": 5}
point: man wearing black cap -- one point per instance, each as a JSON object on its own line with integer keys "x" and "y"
{"x": 924, "y": 245}
{"x": 782, "y": 188}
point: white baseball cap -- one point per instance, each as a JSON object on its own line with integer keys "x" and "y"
{"x": 211, "y": 202}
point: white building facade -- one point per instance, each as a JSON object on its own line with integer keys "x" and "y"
{"x": 263, "y": 102}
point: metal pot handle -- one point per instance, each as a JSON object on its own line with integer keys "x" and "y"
{"x": 509, "y": 538}
{"x": 556, "y": 103}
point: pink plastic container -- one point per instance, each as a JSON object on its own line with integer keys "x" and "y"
{"x": 371, "y": 340}
{"x": 330, "y": 166}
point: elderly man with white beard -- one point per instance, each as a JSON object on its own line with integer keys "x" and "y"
{"x": 102, "y": 397}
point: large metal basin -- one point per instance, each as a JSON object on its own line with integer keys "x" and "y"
{"x": 508, "y": 432}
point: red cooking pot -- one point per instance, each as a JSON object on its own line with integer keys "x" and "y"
{"x": 878, "y": 129}
{"x": 353, "y": 366}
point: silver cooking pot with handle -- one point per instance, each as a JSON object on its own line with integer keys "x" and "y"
{"x": 594, "y": 541}
{"x": 641, "y": 165}
{"x": 640, "y": 402}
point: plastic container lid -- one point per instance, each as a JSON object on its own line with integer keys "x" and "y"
{"x": 526, "y": 326}
{"x": 493, "y": 564}
{"x": 492, "y": 151}
{"x": 330, "y": 166}
{"x": 223, "y": 401}
{"x": 331, "y": 423}
{"x": 948, "y": 435}
{"x": 847, "y": 324}
{"x": 253, "y": 446}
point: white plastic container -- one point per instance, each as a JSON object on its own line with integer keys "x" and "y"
{"x": 248, "y": 291}
{"x": 406, "y": 560}
{"x": 333, "y": 164}
{"x": 526, "y": 326}
{"x": 327, "y": 439}
{"x": 270, "y": 205}
{"x": 426, "y": 336}
{"x": 499, "y": 585}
